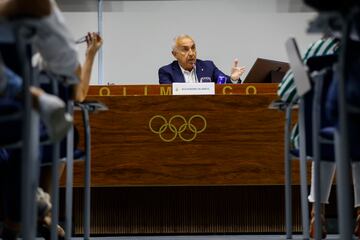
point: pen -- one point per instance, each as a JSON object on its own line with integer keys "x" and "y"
{"x": 82, "y": 39}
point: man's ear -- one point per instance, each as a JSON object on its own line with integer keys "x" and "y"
{"x": 173, "y": 53}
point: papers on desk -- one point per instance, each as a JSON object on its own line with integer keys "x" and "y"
{"x": 193, "y": 88}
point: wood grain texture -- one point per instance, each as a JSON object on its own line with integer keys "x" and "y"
{"x": 241, "y": 145}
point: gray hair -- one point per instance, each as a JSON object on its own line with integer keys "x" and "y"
{"x": 177, "y": 38}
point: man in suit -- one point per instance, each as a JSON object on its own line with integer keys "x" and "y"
{"x": 187, "y": 68}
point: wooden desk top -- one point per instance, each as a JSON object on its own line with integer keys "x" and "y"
{"x": 164, "y": 90}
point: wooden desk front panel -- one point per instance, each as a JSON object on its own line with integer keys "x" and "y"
{"x": 242, "y": 142}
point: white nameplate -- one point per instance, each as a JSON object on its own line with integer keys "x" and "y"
{"x": 193, "y": 88}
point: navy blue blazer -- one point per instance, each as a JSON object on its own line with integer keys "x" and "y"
{"x": 204, "y": 69}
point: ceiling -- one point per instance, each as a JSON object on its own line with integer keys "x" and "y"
{"x": 118, "y": 5}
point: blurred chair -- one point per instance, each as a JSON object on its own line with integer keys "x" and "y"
{"x": 21, "y": 37}
{"x": 290, "y": 154}
{"x": 311, "y": 118}
{"x": 87, "y": 107}
{"x": 312, "y": 91}
{"x": 72, "y": 154}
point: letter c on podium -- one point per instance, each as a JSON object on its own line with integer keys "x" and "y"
{"x": 225, "y": 88}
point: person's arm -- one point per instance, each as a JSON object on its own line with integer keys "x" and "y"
{"x": 94, "y": 42}
{"x": 25, "y": 8}
{"x": 164, "y": 77}
{"x": 236, "y": 72}
{"x": 287, "y": 89}
{"x": 229, "y": 79}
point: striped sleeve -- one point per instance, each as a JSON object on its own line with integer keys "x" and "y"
{"x": 287, "y": 89}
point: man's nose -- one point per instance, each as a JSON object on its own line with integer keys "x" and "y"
{"x": 191, "y": 52}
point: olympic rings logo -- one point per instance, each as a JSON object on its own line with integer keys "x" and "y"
{"x": 177, "y": 130}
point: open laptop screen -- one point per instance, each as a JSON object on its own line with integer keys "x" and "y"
{"x": 266, "y": 71}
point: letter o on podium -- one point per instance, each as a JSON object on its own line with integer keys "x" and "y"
{"x": 247, "y": 91}
{"x": 104, "y": 91}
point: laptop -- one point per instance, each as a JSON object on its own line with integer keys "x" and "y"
{"x": 266, "y": 71}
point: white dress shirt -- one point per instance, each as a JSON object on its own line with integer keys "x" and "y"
{"x": 190, "y": 77}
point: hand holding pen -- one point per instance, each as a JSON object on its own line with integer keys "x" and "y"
{"x": 94, "y": 42}
{"x": 83, "y": 39}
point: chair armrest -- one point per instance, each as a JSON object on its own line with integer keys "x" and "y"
{"x": 86, "y": 107}
{"x": 279, "y": 104}
{"x": 91, "y": 106}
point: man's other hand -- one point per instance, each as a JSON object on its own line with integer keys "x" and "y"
{"x": 236, "y": 71}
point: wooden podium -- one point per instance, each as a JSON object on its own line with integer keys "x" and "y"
{"x": 164, "y": 164}
{"x": 149, "y": 137}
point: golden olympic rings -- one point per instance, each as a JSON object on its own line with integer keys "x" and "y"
{"x": 177, "y": 131}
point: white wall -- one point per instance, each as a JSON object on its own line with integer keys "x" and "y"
{"x": 138, "y": 35}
